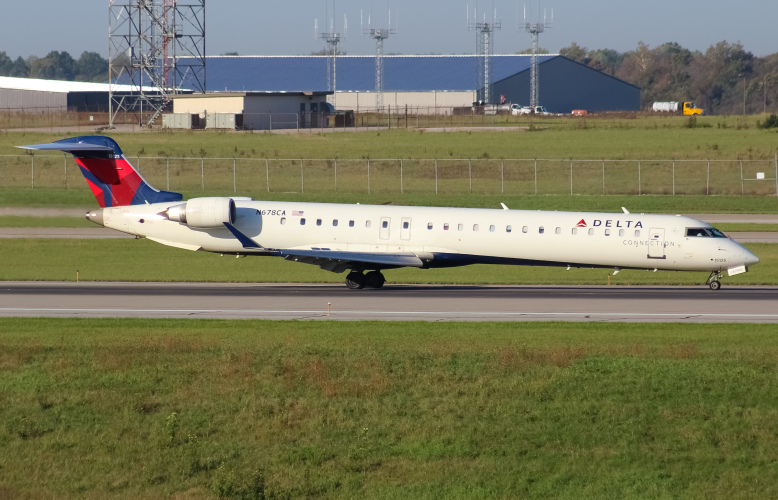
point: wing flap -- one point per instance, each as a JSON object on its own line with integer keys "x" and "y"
{"x": 338, "y": 261}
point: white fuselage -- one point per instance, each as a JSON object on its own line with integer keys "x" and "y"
{"x": 450, "y": 236}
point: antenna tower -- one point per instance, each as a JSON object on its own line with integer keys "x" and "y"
{"x": 484, "y": 49}
{"x": 332, "y": 40}
{"x": 535, "y": 29}
{"x": 379, "y": 35}
{"x": 157, "y": 47}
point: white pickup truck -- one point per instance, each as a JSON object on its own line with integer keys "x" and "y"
{"x": 517, "y": 109}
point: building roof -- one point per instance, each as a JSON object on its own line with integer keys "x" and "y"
{"x": 356, "y": 73}
{"x": 60, "y": 86}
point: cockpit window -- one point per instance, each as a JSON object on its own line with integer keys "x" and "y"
{"x": 705, "y": 232}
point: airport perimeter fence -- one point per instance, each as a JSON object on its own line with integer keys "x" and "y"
{"x": 51, "y": 118}
{"x": 446, "y": 176}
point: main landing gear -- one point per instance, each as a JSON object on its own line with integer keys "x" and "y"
{"x": 356, "y": 280}
{"x": 713, "y": 280}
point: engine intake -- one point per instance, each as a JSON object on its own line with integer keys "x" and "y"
{"x": 204, "y": 212}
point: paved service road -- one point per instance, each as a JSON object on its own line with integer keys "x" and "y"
{"x": 393, "y": 302}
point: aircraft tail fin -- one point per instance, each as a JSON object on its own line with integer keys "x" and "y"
{"x": 113, "y": 180}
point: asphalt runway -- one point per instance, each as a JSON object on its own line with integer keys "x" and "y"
{"x": 392, "y": 303}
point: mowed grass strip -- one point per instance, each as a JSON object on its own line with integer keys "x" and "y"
{"x": 205, "y": 409}
{"x": 49, "y": 259}
{"x": 687, "y": 204}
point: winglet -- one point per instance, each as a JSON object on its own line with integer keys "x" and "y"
{"x": 625, "y": 210}
{"x": 244, "y": 240}
{"x": 504, "y": 207}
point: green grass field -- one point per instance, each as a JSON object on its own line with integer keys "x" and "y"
{"x": 143, "y": 260}
{"x": 477, "y": 162}
{"x": 564, "y": 137}
{"x": 205, "y": 409}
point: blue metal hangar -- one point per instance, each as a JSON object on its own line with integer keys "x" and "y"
{"x": 428, "y": 83}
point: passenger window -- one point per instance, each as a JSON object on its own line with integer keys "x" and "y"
{"x": 460, "y": 227}
{"x": 575, "y": 230}
{"x": 283, "y": 220}
{"x": 318, "y": 222}
{"x": 334, "y": 222}
{"x": 385, "y": 224}
{"x": 558, "y": 230}
{"x": 302, "y": 221}
{"x": 351, "y": 223}
{"x": 491, "y": 228}
{"x": 524, "y": 229}
{"x": 607, "y": 232}
{"x": 508, "y": 229}
{"x": 445, "y": 226}
{"x": 475, "y": 227}
{"x": 591, "y": 231}
{"x": 367, "y": 223}
{"x": 429, "y": 225}
{"x": 637, "y": 233}
{"x": 621, "y": 232}
{"x": 541, "y": 230}
{"x": 405, "y": 225}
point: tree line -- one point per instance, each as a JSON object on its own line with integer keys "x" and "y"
{"x": 90, "y": 67}
{"x": 725, "y": 79}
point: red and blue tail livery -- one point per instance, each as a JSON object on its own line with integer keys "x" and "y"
{"x": 113, "y": 180}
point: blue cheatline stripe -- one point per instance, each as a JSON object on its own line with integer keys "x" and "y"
{"x": 106, "y": 188}
{"x": 244, "y": 240}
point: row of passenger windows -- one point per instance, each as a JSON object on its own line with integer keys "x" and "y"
{"x": 461, "y": 227}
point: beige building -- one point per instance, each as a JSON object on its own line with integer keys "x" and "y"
{"x": 257, "y": 110}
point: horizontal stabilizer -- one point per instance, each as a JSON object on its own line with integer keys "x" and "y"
{"x": 112, "y": 179}
{"x": 67, "y": 147}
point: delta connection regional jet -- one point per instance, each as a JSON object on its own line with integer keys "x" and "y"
{"x": 365, "y": 239}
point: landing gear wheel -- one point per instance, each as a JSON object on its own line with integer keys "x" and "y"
{"x": 355, "y": 280}
{"x": 715, "y": 285}
{"x": 374, "y": 279}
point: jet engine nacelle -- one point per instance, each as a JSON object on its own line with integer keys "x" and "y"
{"x": 204, "y": 212}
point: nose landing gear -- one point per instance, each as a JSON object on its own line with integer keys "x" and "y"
{"x": 713, "y": 280}
{"x": 356, "y": 280}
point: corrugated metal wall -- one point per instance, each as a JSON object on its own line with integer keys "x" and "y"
{"x": 417, "y": 102}
{"x": 31, "y": 100}
{"x": 566, "y": 85}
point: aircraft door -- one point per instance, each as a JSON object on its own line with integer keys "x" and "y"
{"x": 405, "y": 230}
{"x": 384, "y": 230}
{"x": 656, "y": 243}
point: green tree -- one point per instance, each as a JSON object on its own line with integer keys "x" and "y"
{"x": 55, "y": 66}
{"x": 576, "y": 53}
{"x": 91, "y": 67}
{"x": 605, "y": 60}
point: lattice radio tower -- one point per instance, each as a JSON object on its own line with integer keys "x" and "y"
{"x": 535, "y": 29}
{"x": 157, "y": 47}
{"x": 332, "y": 40}
{"x": 379, "y": 35}
{"x": 484, "y": 49}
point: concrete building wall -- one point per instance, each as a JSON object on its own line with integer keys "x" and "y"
{"x": 566, "y": 85}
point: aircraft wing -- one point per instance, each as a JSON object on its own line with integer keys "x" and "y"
{"x": 337, "y": 261}
{"x": 331, "y": 260}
